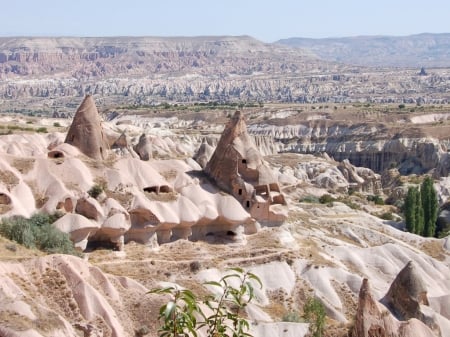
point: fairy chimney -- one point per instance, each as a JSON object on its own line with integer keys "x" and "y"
{"x": 86, "y": 132}
{"x": 238, "y": 168}
{"x": 407, "y": 292}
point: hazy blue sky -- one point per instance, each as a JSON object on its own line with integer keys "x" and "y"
{"x": 263, "y": 19}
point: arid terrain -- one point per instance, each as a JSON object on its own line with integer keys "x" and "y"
{"x": 225, "y": 167}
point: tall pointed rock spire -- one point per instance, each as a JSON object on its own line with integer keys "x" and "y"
{"x": 239, "y": 169}
{"x": 86, "y": 131}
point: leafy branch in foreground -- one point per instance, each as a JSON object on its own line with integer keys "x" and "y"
{"x": 220, "y": 315}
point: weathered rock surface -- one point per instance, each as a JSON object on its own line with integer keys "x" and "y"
{"x": 373, "y": 321}
{"x": 367, "y": 145}
{"x": 406, "y": 294}
{"x": 86, "y": 132}
{"x": 237, "y": 167}
{"x": 62, "y": 295}
{"x": 206, "y": 68}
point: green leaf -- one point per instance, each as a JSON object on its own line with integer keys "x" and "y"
{"x": 167, "y": 290}
{"x": 213, "y": 283}
{"x": 170, "y": 308}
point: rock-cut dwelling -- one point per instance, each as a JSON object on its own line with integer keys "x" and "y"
{"x": 238, "y": 168}
{"x": 86, "y": 131}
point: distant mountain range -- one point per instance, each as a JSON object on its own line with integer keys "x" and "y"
{"x": 150, "y": 70}
{"x": 428, "y": 50}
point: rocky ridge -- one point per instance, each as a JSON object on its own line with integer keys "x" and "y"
{"x": 421, "y": 50}
{"x": 50, "y": 72}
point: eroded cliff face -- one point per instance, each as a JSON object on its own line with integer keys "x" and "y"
{"x": 371, "y": 145}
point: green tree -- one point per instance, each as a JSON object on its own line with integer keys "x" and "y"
{"x": 419, "y": 216}
{"x": 183, "y": 315}
{"x": 430, "y": 206}
{"x": 409, "y": 210}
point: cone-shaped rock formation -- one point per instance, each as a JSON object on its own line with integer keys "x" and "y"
{"x": 86, "y": 132}
{"x": 372, "y": 320}
{"x": 237, "y": 167}
{"x": 406, "y": 294}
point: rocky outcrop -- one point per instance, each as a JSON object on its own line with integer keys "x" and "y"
{"x": 374, "y": 321}
{"x": 370, "y": 145}
{"x": 406, "y": 294}
{"x": 62, "y": 295}
{"x": 361, "y": 179}
{"x": 203, "y": 154}
{"x": 237, "y": 167}
{"x": 86, "y": 132}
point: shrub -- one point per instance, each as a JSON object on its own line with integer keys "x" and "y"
{"x": 37, "y": 232}
{"x": 95, "y": 191}
{"x": 326, "y": 199}
{"x": 56, "y": 124}
{"x": 310, "y": 199}
{"x": 375, "y": 199}
{"x": 194, "y": 266}
{"x": 386, "y": 216}
{"x": 41, "y": 130}
{"x": 183, "y": 314}
{"x": 314, "y": 313}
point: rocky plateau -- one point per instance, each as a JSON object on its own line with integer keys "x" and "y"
{"x": 45, "y": 74}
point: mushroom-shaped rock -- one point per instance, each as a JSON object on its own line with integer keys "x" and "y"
{"x": 406, "y": 294}
{"x": 237, "y": 167}
{"x": 86, "y": 132}
{"x": 113, "y": 230}
{"x": 89, "y": 208}
{"x": 78, "y": 227}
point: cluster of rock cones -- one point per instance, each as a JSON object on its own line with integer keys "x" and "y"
{"x": 236, "y": 167}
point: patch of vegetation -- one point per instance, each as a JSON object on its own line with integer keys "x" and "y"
{"x": 326, "y": 199}
{"x": 56, "y": 124}
{"x": 184, "y": 315}
{"x": 386, "y": 216}
{"x": 42, "y": 130}
{"x": 375, "y": 199}
{"x": 38, "y": 232}
{"x": 292, "y": 316}
{"x": 421, "y": 209}
{"x": 310, "y": 199}
{"x": 95, "y": 191}
{"x": 314, "y": 313}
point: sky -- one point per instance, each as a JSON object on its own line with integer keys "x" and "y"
{"x": 265, "y": 20}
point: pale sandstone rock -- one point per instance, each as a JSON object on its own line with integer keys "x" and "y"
{"x": 86, "y": 131}
{"x": 237, "y": 167}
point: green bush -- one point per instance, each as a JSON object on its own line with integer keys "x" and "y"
{"x": 314, "y": 313}
{"x": 386, "y": 216}
{"x": 42, "y": 130}
{"x": 326, "y": 199}
{"x": 95, "y": 191}
{"x": 375, "y": 199}
{"x": 56, "y": 124}
{"x": 37, "y": 232}
{"x": 183, "y": 315}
